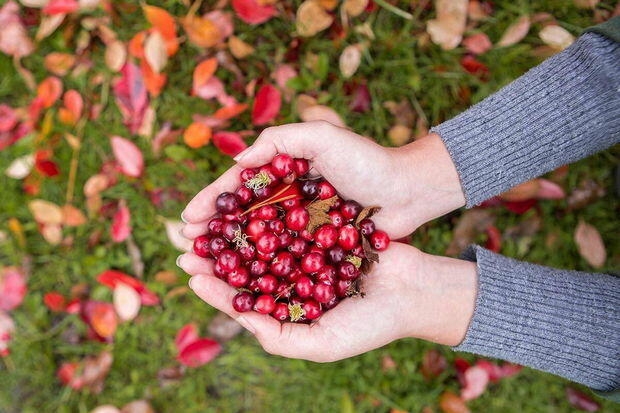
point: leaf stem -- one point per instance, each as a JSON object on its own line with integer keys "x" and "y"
{"x": 394, "y": 9}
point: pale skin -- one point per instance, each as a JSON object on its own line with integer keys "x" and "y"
{"x": 408, "y": 294}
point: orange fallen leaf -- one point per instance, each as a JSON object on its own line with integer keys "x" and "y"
{"x": 161, "y": 20}
{"x": 311, "y": 18}
{"x": 203, "y": 72}
{"x": 228, "y": 112}
{"x": 59, "y": 63}
{"x": 239, "y": 48}
{"x": 451, "y": 403}
{"x": 136, "y": 45}
{"x": 197, "y": 135}
{"x": 154, "y": 82}
{"x": 72, "y": 216}
{"x": 201, "y": 31}
{"x": 49, "y": 91}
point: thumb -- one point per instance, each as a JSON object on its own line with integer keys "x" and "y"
{"x": 299, "y": 140}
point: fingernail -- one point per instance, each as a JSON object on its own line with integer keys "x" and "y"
{"x": 192, "y": 283}
{"x": 242, "y": 154}
{"x": 178, "y": 262}
{"x": 245, "y": 323}
{"x": 183, "y": 217}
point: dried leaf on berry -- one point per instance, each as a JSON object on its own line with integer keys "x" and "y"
{"x": 318, "y": 212}
{"x": 367, "y": 212}
{"x": 370, "y": 254}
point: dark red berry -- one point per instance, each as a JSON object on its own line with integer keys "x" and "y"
{"x": 267, "y": 283}
{"x": 201, "y": 246}
{"x": 284, "y": 290}
{"x": 247, "y": 253}
{"x": 244, "y": 195}
{"x": 310, "y": 189}
{"x": 268, "y": 170}
{"x": 276, "y": 226}
{"x": 267, "y": 243}
{"x": 282, "y": 165}
{"x": 235, "y": 216}
{"x": 323, "y": 293}
{"x": 258, "y": 267}
{"x": 326, "y": 190}
{"x": 343, "y": 288}
{"x": 265, "y": 256}
{"x": 215, "y": 226}
{"x": 301, "y": 166}
{"x": 264, "y": 192}
{"x": 336, "y": 254}
{"x": 239, "y": 277}
{"x": 304, "y": 287}
{"x": 226, "y": 203}
{"x": 297, "y": 219}
{"x": 327, "y": 275}
{"x": 326, "y": 236}
{"x": 367, "y": 226}
{"x": 350, "y": 209}
{"x": 298, "y": 247}
{"x": 307, "y": 235}
{"x": 243, "y": 301}
{"x": 265, "y": 304}
{"x": 290, "y": 203}
{"x": 312, "y": 262}
{"x": 282, "y": 264}
{"x": 230, "y": 230}
{"x": 280, "y": 312}
{"x": 379, "y": 240}
{"x": 267, "y": 212}
{"x": 247, "y": 174}
{"x": 294, "y": 275}
{"x": 347, "y": 271}
{"x": 312, "y": 309}
{"x": 348, "y": 237}
{"x": 219, "y": 271}
{"x": 229, "y": 260}
{"x": 285, "y": 239}
{"x": 217, "y": 245}
{"x": 337, "y": 219}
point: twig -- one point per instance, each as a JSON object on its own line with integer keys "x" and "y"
{"x": 394, "y": 9}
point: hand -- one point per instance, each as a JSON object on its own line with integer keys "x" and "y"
{"x": 413, "y": 184}
{"x": 408, "y": 294}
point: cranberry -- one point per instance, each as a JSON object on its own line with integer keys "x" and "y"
{"x": 310, "y": 189}
{"x": 358, "y": 251}
{"x": 265, "y": 304}
{"x": 264, "y": 192}
{"x": 219, "y": 271}
{"x": 247, "y": 174}
{"x": 379, "y": 240}
{"x": 229, "y": 260}
{"x": 290, "y": 204}
{"x": 294, "y": 275}
{"x": 268, "y": 170}
{"x": 265, "y": 256}
{"x": 332, "y": 303}
{"x": 312, "y": 262}
{"x": 267, "y": 283}
{"x": 348, "y": 237}
{"x": 347, "y": 271}
{"x": 297, "y": 219}
{"x": 283, "y": 290}
{"x": 312, "y": 309}
{"x": 323, "y": 293}
{"x": 217, "y": 245}
{"x": 267, "y": 243}
{"x": 247, "y": 252}
{"x": 343, "y": 288}
{"x": 276, "y": 226}
{"x": 267, "y": 212}
{"x": 253, "y": 286}
{"x": 285, "y": 239}
{"x": 258, "y": 267}
{"x": 336, "y": 254}
{"x": 230, "y": 230}
{"x": 367, "y": 226}
{"x": 282, "y": 165}
{"x": 243, "y": 301}
{"x": 255, "y": 228}
{"x": 215, "y": 226}
{"x": 301, "y": 167}
{"x": 350, "y": 209}
{"x": 201, "y": 246}
{"x": 326, "y": 190}
{"x": 236, "y": 216}
{"x": 326, "y": 236}
{"x": 244, "y": 195}
{"x": 280, "y": 312}
{"x": 337, "y": 218}
{"x": 239, "y": 277}
{"x": 316, "y": 249}
{"x": 298, "y": 247}
{"x": 307, "y": 235}
{"x": 226, "y": 203}
{"x": 327, "y": 275}
{"x": 304, "y": 287}
{"x": 282, "y": 264}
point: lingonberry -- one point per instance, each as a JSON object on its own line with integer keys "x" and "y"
{"x": 304, "y": 287}
{"x": 265, "y": 304}
{"x": 301, "y": 167}
{"x": 312, "y": 309}
{"x": 280, "y": 312}
{"x": 267, "y": 283}
{"x": 201, "y": 246}
{"x": 282, "y": 165}
{"x": 367, "y": 226}
{"x": 326, "y": 190}
{"x": 239, "y": 277}
{"x": 297, "y": 219}
{"x": 348, "y": 271}
{"x": 312, "y": 262}
{"x": 379, "y": 240}
{"x": 243, "y": 301}
{"x": 350, "y": 209}
{"x": 326, "y": 236}
{"x": 310, "y": 189}
{"x": 267, "y": 242}
{"x": 229, "y": 260}
{"x": 348, "y": 237}
{"x": 215, "y": 226}
{"x": 258, "y": 267}
{"x": 217, "y": 245}
{"x": 323, "y": 292}
{"x": 226, "y": 203}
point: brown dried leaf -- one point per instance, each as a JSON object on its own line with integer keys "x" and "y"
{"x": 447, "y": 29}
{"x": 367, "y": 212}
{"x": 223, "y": 328}
{"x": 590, "y": 244}
{"x": 586, "y": 4}
{"x": 59, "y": 63}
{"x": 137, "y": 406}
{"x": 239, "y": 48}
{"x": 95, "y": 371}
{"x": 370, "y": 254}
{"x": 451, "y": 403}
{"x": 515, "y": 32}
{"x": 526, "y": 228}
{"x": 355, "y": 7}
{"x": 470, "y": 224}
{"x": 318, "y": 212}
{"x": 312, "y": 18}
{"x": 402, "y": 112}
{"x": 585, "y": 194}
{"x": 170, "y": 375}
{"x": 166, "y": 277}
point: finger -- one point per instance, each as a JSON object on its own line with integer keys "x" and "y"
{"x": 191, "y": 231}
{"x": 202, "y": 206}
{"x": 300, "y": 140}
{"x": 193, "y": 264}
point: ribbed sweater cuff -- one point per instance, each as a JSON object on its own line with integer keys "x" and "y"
{"x": 563, "y": 110}
{"x": 563, "y": 322}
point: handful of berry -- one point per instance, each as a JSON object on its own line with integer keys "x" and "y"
{"x": 289, "y": 243}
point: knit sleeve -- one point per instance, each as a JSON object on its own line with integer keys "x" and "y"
{"x": 563, "y": 322}
{"x": 562, "y": 110}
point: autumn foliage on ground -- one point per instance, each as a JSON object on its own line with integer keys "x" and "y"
{"x": 114, "y": 113}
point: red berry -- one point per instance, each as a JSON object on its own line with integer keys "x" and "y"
{"x": 258, "y": 267}
{"x": 226, "y": 203}
{"x": 347, "y": 271}
{"x": 239, "y": 277}
{"x": 244, "y": 195}
{"x": 247, "y": 253}
{"x": 282, "y": 264}
{"x": 215, "y": 226}
{"x": 219, "y": 271}
{"x": 297, "y": 219}
{"x": 312, "y": 309}
{"x": 304, "y": 287}
{"x": 247, "y": 174}
{"x": 268, "y": 170}
{"x": 336, "y": 254}
{"x": 367, "y": 226}
{"x": 267, "y": 212}
{"x": 267, "y": 243}
{"x": 290, "y": 203}
{"x": 229, "y": 260}
{"x": 312, "y": 262}
{"x": 285, "y": 239}
{"x": 243, "y": 301}
{"x": 280, "y": 312}
{"x": 217, "y": 245}
{"x": 301, "y": 166}
{"x": 298, "y": 247}
{"x": 230, "y": 230}
{"x": 267, "y": 283}
{"x": 310, "y": 189}
{"x": 282, "y": 165}
{"x": 265, "y": 192}
{"x": 276, "y": 226}
{"x": 307, "y": 235}
{"x": 326, "y": 190}
{"x": 326, "y": 275}
{"x": 323, "y": 293}
{"x": 337, "y": 218}
{"x": 350, "y": 209}
{"x": 255, "y": 228}
{"x": 265, "y": 304}
{"x": 201, "y": 246}
{"x": 343, "y": 288}
{"x": 348, "y": 237}
{"x": 379, "y": 240}
{"x": 265, "y": 256}
{"x": 294, "y": 275}
{"x": 326, "y": 236}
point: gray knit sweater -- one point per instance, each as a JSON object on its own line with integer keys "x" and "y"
{"x": 563, "y": 322}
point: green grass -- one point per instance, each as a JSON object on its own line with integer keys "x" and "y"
{"x": 397, "y": 65}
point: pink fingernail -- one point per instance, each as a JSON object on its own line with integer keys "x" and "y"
{"x": 183, "y": 217}
{"x": 242, "y": 154}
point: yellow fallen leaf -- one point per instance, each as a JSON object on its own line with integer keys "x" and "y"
{"x": 311, "y": 18}
{"x": 239, "y": 48}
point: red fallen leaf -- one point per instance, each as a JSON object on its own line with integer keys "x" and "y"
{"x": 7, "y": 327}
{"x": 281, "y": 75}
{"x": 199, "y": 352}
{"x": 252, "y": 12}
{"x": 477, "y": 43}
{"x": 475, "y": 67}
{"x": 131, "y": 96}
{"x": 520, "y": 207}
{"x": 101, "y": 317}
{"x": 74, "y": 306}
{"x": 60, "y": 7}
{"x": 110, "y": 278}
{"x": 66, "y": 372}
{"x": 8, "y": 118}
{"x": 266, "y": 105}
{"x": 497, "y": 372}
{"x": 14, "y": 40}
{"x": 581, "y": 401}
{"x": 121, "y": 227}
{"x": 433, "y": 364}
{"x": 44, "y": 165}
{"x": 55, "y": 301}
{"x": 461, "y": 365}
{"x": 494, "y": 239}
{"x": 73, "y": 107}
{"x": 128, "y": 156}
{"x": 12, "y": 288}
{"x": 89, "y": 373}
{"x": 223, "y": 21}
{"x": 49, "y": 91}
{"x": 185, "y": 336}
{"x": 212, "y": 88}
{"x": 509, "y": 370}
{"x": 229, "y": 143}
{"x": 361, "y": 99}
{"x": 549, "y": 190}
{"x": 476, "y": 380}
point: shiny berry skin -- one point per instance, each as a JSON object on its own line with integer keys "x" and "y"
{"x": 297, "y": 219}
{"x": 301, "y": 166}
{"x": 265, "y": 256}
{"x": 217, "y": 245}
{"x": 284, "y": 290}
{"x": 332, "y": 303}
{"x": 327, "y": 275}
{"x": 312, "y": 309}
{"x": 267, "y": 283}
{"x": 247, "y": 253}
{"x": 347, "y": 271}
{"x": 236, "y": 216}
{"x": 244, "y": 195}
{"x": 358, "y": 251}
{"x": 280, "y": 312}
{"x": 282, "y": 264}
{"x": 304, "y": 287}
{"x": 343, "y": 288}
{"x": 253, "y": 285}
{"x": 265, "y": 192}
{"x": 379, "y": 240}
{"x": 323, "y": 293}
{"x": 267, "y": 169}
{"x": 298, "y": 247}
{"x": 255, "y": 228}
{"x": 282, "y": 165}
{"x": 307, "y": 235}
{"x": 267, "y": 212}
{"x": 312, "y": 262}
{"x": 310, "y": 189}
{"x": 326, "y": 236}
{"x": 229, "y": 260}
{"x": 230, "y": 230}
{"x": 226, "y": 203}
{"x": 290, "y": 203}
{"x": 267, "y": 242}
{"x": 336, "y": 254}
{"x": 247, "y": 174}
{"x": 215, "y": 226}
{"x": 348, "y": 237}
{"x": 276, "y": 226}
{"x": 337, "y": 218}
{"x": 326, "y": 190}
{"x": 243, "y": 301}
{"x": 258, "y": 267}
{"x": 367, "y": 226}
{"x": 201, "y": 246}
{"x": 285, "y": 239}
{"x": 219, "y": 271}
{"x": 265, "y": 304}
{"x": 350, "y": 209}
{"x": 239, "y": 277}
{"x": 294, "y": 275}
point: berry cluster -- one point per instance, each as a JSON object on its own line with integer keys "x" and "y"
{"x": 289, "y": 243}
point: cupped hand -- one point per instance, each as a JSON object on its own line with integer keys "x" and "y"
{"x": 408, "y": 294}
{"x": 412, "y": 184}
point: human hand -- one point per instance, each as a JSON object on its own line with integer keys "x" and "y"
{"x": 407, "y": 294}
{"x": 413, "y": 184}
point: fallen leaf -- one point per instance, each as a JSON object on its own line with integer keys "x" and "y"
{"x": 311, "y": 19}
{"x": 447, "y": 29}
{"x": 202, "y": 32}
{"x": 115, "y": 55}
{"x": 155, "y": 52}
{"x": 470, "y": 224}
{"x": 350, "y": 60}
{"x": 451, "y": 403}
{"x": 197, "y": 135}
{"x": 49, "y": 91}
{"x": 45, "y": 212}
{"x": 101, "y": 317}
{"x": 318, "y": 212}
{"x": 48, "y": 25}
{"x": 267, "y": 105}
{"x": 515, "y": 32}
{"x": 361, "y": 100}
{"x": 388, "y": 363}
{"x": 59, "y": 63}
{"x": 199, "y": 352}
{"x": 586, "y": 4}
{"x": 131, "y": 96}
{"x": 60, "y": 7}
{"x": 228, "y": 112}
{"x": 12, "y": 288}
{"x": 173, "y": 229}
{"x": 476, "y": 381}
{"x": 7, "y": 328}
{"x": 126, "y": 301}
{"x": 253, "y": 12}
{"x": 89, "y": 373}
{"x": 556, "y": 37}
{"x": 14, "y": 40}
{"x": 20, "y": 167}
{"x": 137, "y": 406}
{"x": 203, "y": 73}
{"x": 281, "y": 75}
{"x": 478, "y": 43}
{"x": 229, "y": 143}
{"x": 121, "y": 227}
{"x": 590, "y": 244}
{"x": 534, "y": 189}
{"x": 585, "y": 194}
{"x": 399, "y": 134}
{"x": 581, "y": 401}
{"x": 165, "y": 25}
{"x": 105, "y": 408}
{"x": 73, "y": 106}
{"x": 96, "y": 184}
{"x": 72, "y": 216}
{"x": 128, "y": 156}
{"x": 154, "y": 83}
{"x": 135, "y": 47}
{"x": 433, "y": 364}
{"x": 239, "y": 48}
{"x": 355, "y": 7}
{"x": 52, "y": 233}
{"x": 475, "y": 67}
{"x": 55, "y": 301}
{"x": 494, "y": 239}
{"x": 110, "y": 278}
{"x": 224, "y": 328}
{"x": 321, "y": 112}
